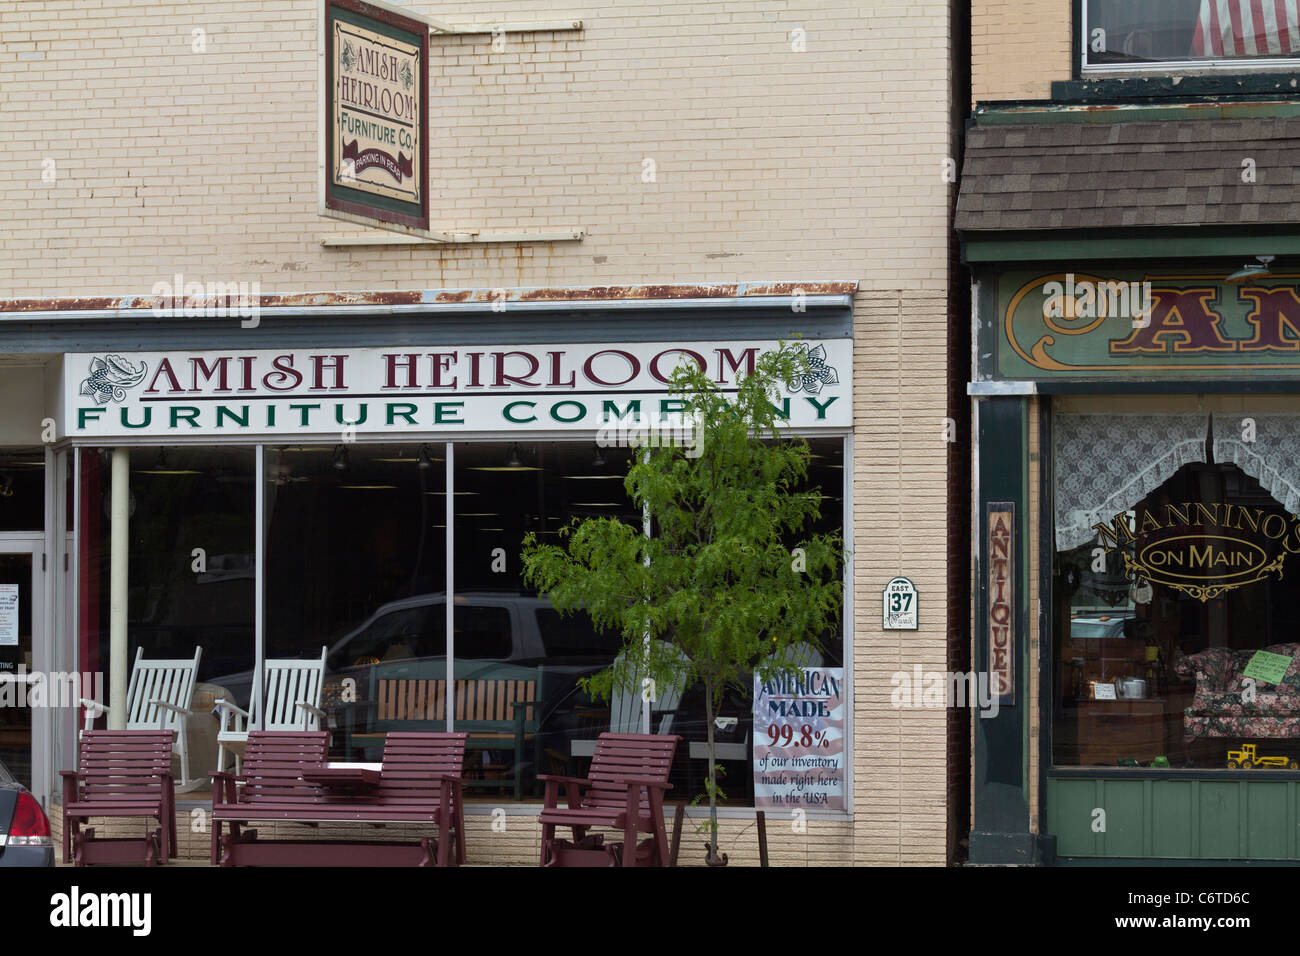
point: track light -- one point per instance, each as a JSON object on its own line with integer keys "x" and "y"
{"x": 341, "y": 462}
{"x": 426, "y": 460}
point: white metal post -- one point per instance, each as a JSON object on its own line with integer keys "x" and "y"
{"x": 647, "y": 705}
{"x": 259, "y": 582}
{"x": 449, "y": 520}
{"x": 118, "y": 556}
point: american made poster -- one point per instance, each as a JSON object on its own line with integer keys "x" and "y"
{"x": 799, "y": 740}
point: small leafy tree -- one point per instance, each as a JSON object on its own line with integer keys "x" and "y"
{"x": 721, "y": 590}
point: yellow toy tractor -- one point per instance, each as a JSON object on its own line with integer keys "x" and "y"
{"x": 1246, "y": 758}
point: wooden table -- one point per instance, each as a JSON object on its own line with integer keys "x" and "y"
{"x": 343, "y": 778}
{"x": 1110, "y": 729}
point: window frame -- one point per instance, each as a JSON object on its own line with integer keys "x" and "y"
{"x": 1219, "y": 66}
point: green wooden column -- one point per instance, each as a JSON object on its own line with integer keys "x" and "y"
{"x": 1001, "y": 746}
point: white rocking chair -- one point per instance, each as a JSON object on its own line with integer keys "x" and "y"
{"x": 625, "y": 710}
{"x": 158, "y": 698}
{"x": 292, "y": 702}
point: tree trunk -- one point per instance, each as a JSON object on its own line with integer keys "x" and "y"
{"x": 712, "y": 787}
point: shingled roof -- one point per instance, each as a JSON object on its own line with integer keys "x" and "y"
{"x": 1061, "y": 176}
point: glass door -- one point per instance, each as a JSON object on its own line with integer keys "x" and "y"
{"x": 18, "y": 589}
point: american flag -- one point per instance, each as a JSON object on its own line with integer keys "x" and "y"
{"x": 1247, "y": 28}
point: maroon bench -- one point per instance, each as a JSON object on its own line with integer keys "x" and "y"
{"x": 123, "y": 773}
{"x": 625, "y": 789}
{"x": 285, "y": 780}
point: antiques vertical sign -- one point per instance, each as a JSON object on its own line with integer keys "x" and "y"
{"x": 376, "y": 76}
{"x": 1002, "y": 600}
{"x": 799, "y": 740}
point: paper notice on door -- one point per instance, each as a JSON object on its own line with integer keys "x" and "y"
{"x": 8, "y": 615}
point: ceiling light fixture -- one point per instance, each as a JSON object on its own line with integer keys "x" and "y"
{"x": 341, "y": 462}
{"x": 426, "y": 460}
{"x": 1251, "y": 271}
{"x": 160, "y": 467}
{"x": 513, "y": 462}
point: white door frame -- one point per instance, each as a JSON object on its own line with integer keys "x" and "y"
{"x": 33, "y": 544}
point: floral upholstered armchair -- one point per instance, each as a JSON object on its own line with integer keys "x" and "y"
{"x": 1221, "y": 709}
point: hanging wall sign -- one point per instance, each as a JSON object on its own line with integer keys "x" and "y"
{"x": 900, "y": 608}
{"x": 8, "y": 615}
{"x": 799, "y": 740}
{"x": 369, "y": 391}
{"x": 1001, "y": 600}
{"x": 376, "y": 76}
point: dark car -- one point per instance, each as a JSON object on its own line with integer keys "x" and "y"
{"x": 24, "y": 828}
{"x": 493, "y": 630}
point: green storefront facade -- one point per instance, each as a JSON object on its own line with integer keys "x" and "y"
{"x": 1135, "y": 382}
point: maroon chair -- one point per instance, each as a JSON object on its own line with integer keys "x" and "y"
{"x": 624, "y": 790}
{"x": 122, "y": 773}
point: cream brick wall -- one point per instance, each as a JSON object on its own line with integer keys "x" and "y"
{"x": 1019, "y": 47}
{"x": 769, "y": 162}
{"x": 824, "y": 843}
{"x": 771, "y": 165}
{"x": 900, "y": 518}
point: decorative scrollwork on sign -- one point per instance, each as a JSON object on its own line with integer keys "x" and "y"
{"x": 110, "y": 377}
{"x": 1215, "y": 567}
{"x": 818, "y": 372}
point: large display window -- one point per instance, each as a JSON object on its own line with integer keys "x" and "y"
{"x": 1174, "y": 621}
{"x": 191, "y": 538}
{"x": 355, "y": 547}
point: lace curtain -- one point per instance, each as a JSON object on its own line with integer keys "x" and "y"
{"x": 1272, "y": 458}
{"x": 1105, "y": 464}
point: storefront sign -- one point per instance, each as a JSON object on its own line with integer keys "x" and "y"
{"x": 1201, "y": 549}
{"x": 8, "y": 615}
{"x": 376, "y": 95}
{"x": 799, "y": 740}
{"x": 357, "y": 392}
{"x": 901, "y": 608}
{"x": 1077, "y": 325}
{"x": 1002, "y": 600}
